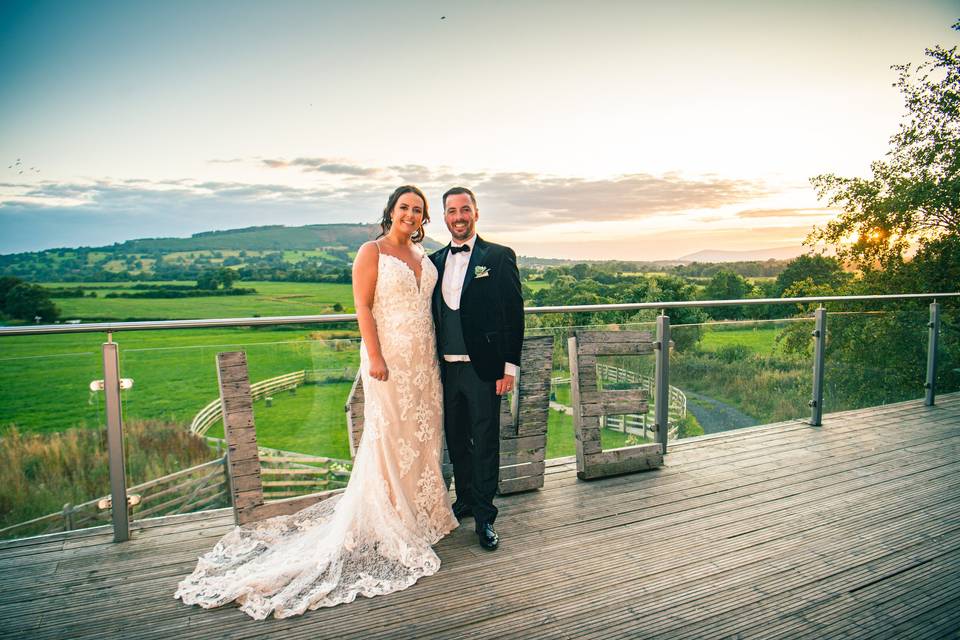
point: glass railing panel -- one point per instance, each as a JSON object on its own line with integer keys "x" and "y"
{"x": 170, "y": 468}
{"x": 730, "y": 375}
{"x": 948, "y": 352}
{"x": 300, "y": 378}
{"x": 53, "y": 442}
{"x": 302, "y": 426}
{"x": 875, "y": 357}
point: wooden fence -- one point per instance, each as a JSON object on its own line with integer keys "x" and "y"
{"x": 212, "y": 413}
{"x": 286, "y": 473}
{"x": 204, "y": 486}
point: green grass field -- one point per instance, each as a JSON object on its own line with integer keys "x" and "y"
{"x": 758, "y": 338}
{"x": 536, "y": 285}
{"x": 560, "y": 440}
{"x": 311, "y": 420}
{"x": 44, "y": 380}
{"x": 271, "y": 299}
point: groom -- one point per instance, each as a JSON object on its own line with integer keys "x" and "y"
{"x": 478, "y": 312}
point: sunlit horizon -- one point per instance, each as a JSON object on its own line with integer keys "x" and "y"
{"x": 623, "y": 130}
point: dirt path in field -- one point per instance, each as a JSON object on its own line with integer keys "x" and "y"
{"x": 715, "y": 416}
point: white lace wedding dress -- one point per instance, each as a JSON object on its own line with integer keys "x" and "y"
{"x": 376, "y": 537}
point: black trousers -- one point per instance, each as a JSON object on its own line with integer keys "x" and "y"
{"x": 471, "y": 422}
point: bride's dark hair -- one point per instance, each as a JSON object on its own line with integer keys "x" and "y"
{"x": 386, "y": 222}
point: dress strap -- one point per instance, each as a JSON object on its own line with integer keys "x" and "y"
{"x": 377, "y": 243}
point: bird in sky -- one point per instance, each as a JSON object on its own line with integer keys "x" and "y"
{"x": 20, "y": 168}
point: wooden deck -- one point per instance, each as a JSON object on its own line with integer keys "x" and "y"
{"x": 851, "y": 529}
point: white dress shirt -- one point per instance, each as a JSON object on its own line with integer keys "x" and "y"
{"x": 454, "y": 273}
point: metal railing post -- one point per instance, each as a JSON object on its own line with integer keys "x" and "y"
{"x": 118, "y": 475}
{"x": 933, "y": 339}
{"x": 662, "y": 375}
{"x": 819, "y": 347}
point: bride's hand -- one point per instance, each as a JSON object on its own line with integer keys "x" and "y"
{"x": 378, "y": 369}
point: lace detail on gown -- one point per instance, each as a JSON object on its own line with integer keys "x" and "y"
{"x": 376, "y": 537}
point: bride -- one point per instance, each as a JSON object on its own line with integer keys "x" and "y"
{"x": 376, "y": 537}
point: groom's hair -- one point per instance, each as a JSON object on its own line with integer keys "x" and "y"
{"x": 456, "y": 191}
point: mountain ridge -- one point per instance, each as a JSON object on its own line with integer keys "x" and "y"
{"x": 719, "y": 255}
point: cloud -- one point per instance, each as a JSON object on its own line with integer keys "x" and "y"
{"x": 103, "y": 212}
{"x": 667, "y": 245}
{"x": 786, "y": 213}
{"x": 519, "y": 204}
{"x": 322, "y": 165}
{"x": 559, "y": 199}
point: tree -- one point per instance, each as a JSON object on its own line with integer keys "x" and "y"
{"x": 28, "y": 301}
{"x": 207, "y": 280}
{"x": 7, "y": 283}
{"x": 913, "y": 196}
{"x": 726, "y": 285}
{"x": 901, "y": 228}
{"x": 672, "y": 288}
{"x": 226, "y": 277}
{"x": 823, "y": 271}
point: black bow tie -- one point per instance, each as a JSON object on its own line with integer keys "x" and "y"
{"x": 455, "y": 250}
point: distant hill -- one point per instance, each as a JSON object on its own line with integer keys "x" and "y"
{"x": 310, "y": 253}
{"x": 266, "y": 238}
{"x": 713, "y": 255}
{"x": 315, "y": 253}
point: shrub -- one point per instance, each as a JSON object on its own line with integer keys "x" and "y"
{"x": 688, "y": 427}
{"x": 730, "y": 353}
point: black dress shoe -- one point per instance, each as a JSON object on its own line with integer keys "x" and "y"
{"x": 489, "y": 539}
{"x": 461, "y": 511}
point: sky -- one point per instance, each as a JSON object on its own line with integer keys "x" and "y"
{"x": 630, "y": 130}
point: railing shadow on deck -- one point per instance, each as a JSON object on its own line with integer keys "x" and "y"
{"x": 198, "y": 487}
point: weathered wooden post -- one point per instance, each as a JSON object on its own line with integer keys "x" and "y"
{"x": 819, "y": 348}
{"x": 589, "y": 404}
{"x": 933, "y": 339}
{"x": 243, "y": 460}
{"x": 68, "y": 517}
{"x": 523, "y": 421}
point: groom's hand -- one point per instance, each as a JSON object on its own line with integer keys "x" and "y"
{"x": 505, "y": 384}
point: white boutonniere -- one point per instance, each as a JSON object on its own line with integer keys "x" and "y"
{"x": 480, "y": 271}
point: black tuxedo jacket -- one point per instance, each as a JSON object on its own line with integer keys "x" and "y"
{"x": 491, "y": 307}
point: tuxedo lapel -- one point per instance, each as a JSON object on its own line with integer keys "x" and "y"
{"x": 441, "y": 265}
{"x": 476, "y": 257}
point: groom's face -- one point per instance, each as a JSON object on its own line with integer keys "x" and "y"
{"x": 461, "y": 216}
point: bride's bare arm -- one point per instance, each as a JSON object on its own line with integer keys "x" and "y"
{"x": 364, "y": 286}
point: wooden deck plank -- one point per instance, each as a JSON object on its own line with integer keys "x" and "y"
{"x": 201, "y": 549}
{"x": 782, "y": 530}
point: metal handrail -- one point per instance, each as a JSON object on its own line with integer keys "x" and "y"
{"x": 111, "y": 381}
{"x": 211, "y": 323}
